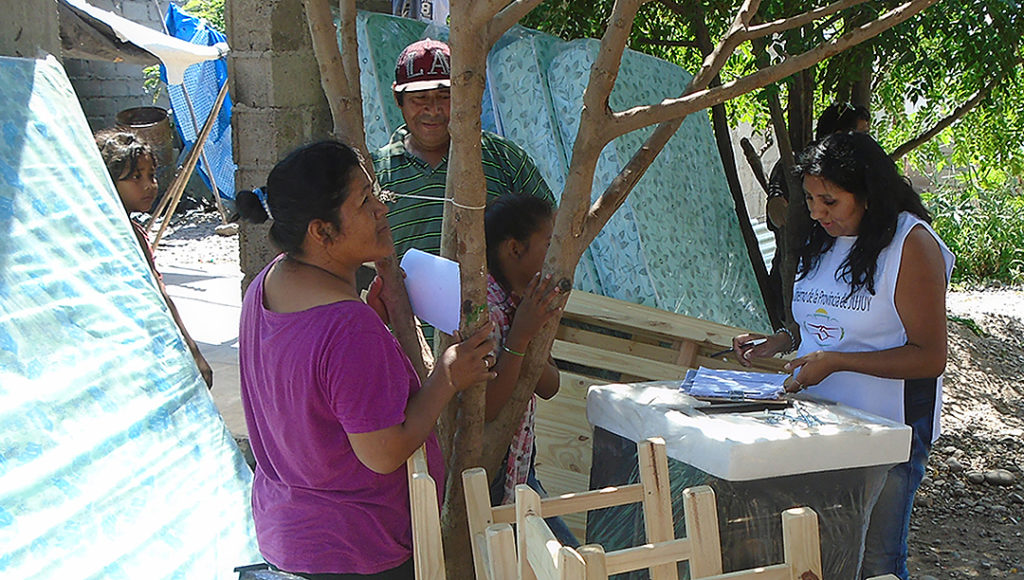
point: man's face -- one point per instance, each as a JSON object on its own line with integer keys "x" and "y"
{"x": 426, "y": 115}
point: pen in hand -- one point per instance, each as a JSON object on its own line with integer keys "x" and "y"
{"x": 751, "y": 343}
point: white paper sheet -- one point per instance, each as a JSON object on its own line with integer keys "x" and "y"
{"x": 736, "y": 384}
{"x": 434, "y": 289}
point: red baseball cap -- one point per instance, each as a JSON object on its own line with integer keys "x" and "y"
{"x": 423, "y": 65}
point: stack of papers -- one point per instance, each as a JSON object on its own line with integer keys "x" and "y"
{"x": 723, "y": 384}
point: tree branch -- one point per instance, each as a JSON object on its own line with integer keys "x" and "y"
{"x": 671, "y": 112}
{"x": 508, "y": 17}
{"x": 657, "y": 42}
{"x": 953, "y": 117}
{"x": 714, "y": 62}
{"x": 781, "y": 25}
{"x": 698, "y": 97}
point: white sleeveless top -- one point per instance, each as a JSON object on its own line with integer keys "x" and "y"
{"x": 829, "y": 320}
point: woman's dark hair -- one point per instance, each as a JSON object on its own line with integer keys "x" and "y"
{"x": 310, "y": 183}
{"x": 121, "y": 151}
{"x": 840, "y": 117}
{"x": 855, "y": 162}
{"x": 512, "y": 216}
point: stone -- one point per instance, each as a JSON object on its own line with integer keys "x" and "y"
{"x": 1016, "y": 498}
{"x": 999, "y": 477}
{"x": 976, "y": 477}
{"x": 954, "y": 465}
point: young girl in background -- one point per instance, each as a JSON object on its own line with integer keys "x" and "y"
{"x": 518, "y": 231}
{"x": 132, "y": 166}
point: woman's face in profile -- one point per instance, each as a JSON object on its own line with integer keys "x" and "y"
{"x": 838, "y": 211}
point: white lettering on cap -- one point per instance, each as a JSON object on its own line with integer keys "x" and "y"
{"x": 440, "y": 62}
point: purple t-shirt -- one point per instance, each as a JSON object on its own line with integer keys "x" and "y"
{"x": 308, "y": 378}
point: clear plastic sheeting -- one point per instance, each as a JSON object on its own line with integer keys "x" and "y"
{"x": 825, "y": 456}
{"x": 114, "y": 462}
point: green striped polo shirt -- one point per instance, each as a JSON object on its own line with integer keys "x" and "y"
{"x": 416, "y": 223}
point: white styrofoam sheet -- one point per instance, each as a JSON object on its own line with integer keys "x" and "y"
{"x": 749, "y": 446}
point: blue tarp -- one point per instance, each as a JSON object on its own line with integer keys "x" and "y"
{"x": 114, "y": 462}
{"x": 203, "y": 81}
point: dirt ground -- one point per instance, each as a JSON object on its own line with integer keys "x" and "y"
{"x": 967, "y": 519}
{"x": 959, "y": 528}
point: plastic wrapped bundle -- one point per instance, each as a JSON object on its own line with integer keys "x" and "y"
{"x": 114, "y": 462}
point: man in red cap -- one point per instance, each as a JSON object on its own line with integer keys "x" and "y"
{"x": 415, "y": 162}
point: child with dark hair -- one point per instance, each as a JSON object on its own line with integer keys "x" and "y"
{"x": 518, "y": 230}
{"x": 132, "y": 166}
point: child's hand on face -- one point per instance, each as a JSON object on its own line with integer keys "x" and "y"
{"x": 541, "y": 302}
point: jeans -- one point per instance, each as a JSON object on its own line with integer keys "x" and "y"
{"x": 885, "y": 546}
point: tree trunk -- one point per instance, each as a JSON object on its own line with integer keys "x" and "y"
{"x": 462, "y": 239}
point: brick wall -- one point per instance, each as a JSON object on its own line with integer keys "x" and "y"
{"x": 104, "y": 88}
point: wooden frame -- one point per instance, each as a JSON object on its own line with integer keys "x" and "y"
{"x": 427, "y": 550}
{"x": 549, "y": 560}
{"x": 652, "y": 492}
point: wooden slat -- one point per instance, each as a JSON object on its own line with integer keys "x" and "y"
{"x": 800, "y": 541}
{"x": 616, "y": 362}
{"x": 776, "y": 572}
{"x": 618, "y": 344}
{"x": 527, "y": 504}
{"x": 623, "y": 315}
{"x": 647, "y": 555}
{"x": 501, "y": 553}
{"x": 576, "y": 502}
{"x": 478, "y": 512}
{"x": 657, "y": 501}
{"x": 701, "y": 513}
{"x": 428, "y": 554}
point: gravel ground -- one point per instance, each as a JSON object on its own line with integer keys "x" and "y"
{"x": 968, "y": 513}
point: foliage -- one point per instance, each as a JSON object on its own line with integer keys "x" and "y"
{"x": 926, "y": 71}
{"x": 210, "y": 10}
{"x": 985, "y": 230}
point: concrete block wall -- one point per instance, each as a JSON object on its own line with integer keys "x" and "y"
{"x": 29, "y": 29}
{"x": 105, "y": 88}
{"x": 278, "y": 101}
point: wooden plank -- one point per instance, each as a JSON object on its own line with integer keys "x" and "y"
{"x": 701, "y": 513}
{"x": 527, "y": 504}
{"x": 428, "y": 554}
{"x": 647, "y": 555}
{"x": 800, "y": 541}
{"x": 478, "y": 513}
{"x": 593, "y": 557}
{"x": 616, "y": 362}
{"x": 626, "y": 315}
{"x": 501, "y": 553}
{"x": 655, "y": 351}
{"x": 776, "y": 572}
{"x": 657, "y": 501}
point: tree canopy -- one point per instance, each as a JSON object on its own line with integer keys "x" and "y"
{"x": 917, "y": 74}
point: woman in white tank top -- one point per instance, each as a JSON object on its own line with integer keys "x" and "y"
{"x": 869, "y": 300}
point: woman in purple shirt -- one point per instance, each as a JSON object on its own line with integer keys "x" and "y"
{"x": 333, "y": 405}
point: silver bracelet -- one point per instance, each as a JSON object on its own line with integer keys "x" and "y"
{"x": 792, "y": 339}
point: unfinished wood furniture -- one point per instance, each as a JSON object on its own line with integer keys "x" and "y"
{"x": 492, "y": 543}
{"x": 427, "y": 552}
{"x": 603, "y": 340}
{"x": 549, "y": 560}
